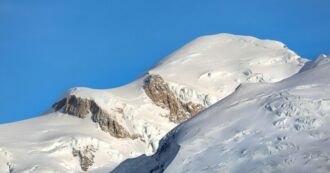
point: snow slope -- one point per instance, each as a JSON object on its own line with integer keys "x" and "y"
{"x": 217, "y": 64}
{"x": 279, "y": 127}
{"x": 202, "y": 72}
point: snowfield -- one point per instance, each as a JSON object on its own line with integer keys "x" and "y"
{"x": 255, "y": 125}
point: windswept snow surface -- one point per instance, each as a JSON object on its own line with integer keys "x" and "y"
{"x": 279, "y": 127}
{"x": 204, "y": 71}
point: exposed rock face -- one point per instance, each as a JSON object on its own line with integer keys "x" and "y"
{"x": 80, "y": 107}
{"x": 159, "y": 92}
{"x": 86, "y": 156}
{"x": 73, "y": 105}
{"x": 108, "y": 124}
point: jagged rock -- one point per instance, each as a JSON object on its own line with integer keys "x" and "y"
{"x": 159, "y": 92}
{"x": 86, "y": 156}
{"x": 73, "y": 105}
{"x": 80, "y": 107}
{"x": 108, "y": 124}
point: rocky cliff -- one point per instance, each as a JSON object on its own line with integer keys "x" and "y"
{"x": 159, "y": 92}
{"x": 80, "y": 107}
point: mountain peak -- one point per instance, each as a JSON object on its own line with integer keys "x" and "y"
{"x": 95, "y": 130}
{"x": 227, "y": 37}
{"x": 235, "y": 58}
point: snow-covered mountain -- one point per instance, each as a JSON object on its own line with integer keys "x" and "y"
{"x": 278, "y": 127}
{"x": 95, "y": 130}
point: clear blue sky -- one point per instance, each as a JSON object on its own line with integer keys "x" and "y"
{"x": 47, "y": 47}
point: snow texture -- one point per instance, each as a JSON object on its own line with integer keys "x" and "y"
{"x": 279, "y": 127}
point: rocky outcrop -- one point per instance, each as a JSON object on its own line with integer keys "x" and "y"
{"x": 81, "y": 107}
{"x": 159, "y": 92}
{"x": 108, "y": 124}
{"x": 86, "y": 156}
{"x": 73, "y": 105}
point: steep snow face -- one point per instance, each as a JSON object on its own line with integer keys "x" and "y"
{"x": 108, "y": 126}
{"x": 280, "y": 127}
